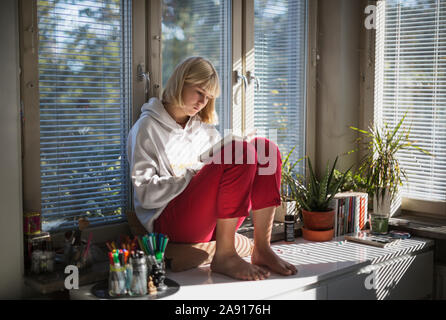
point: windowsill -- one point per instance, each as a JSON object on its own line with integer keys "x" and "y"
{"x": 323, "y": 268}
{"x": 420, "y": 224}
{"x": 54, "y": 282}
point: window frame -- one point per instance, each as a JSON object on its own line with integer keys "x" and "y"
{"x": 367, "y": 108}
{"x": 29, "y": 105}
{"x": 240, "y": 115}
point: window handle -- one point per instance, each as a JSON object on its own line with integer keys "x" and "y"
{"x": 143, "y": 76}
{"x": 239, "y": 76}
{"x": 251, "y": 77}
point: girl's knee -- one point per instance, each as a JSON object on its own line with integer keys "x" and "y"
{"x": 243, "y": 153}
{"x": 268, "y": 156}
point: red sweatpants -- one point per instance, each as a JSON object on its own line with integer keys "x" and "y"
{"x": 228, "y": 189}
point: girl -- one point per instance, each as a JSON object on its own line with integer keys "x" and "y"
{"x": 195, "y": 202}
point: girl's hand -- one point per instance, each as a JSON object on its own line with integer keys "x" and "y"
{"x": 194, "y": 171}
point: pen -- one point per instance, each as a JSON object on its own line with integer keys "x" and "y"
{"x": 154, "y": 241}
{"x": 151, "y": 245}
{"x": 110, "y": 257}
{"x": 108, "y": 246}
{"x": 140, "y": 244}
{"x": 166, "y": 239}
{"x": 88, "y": 244}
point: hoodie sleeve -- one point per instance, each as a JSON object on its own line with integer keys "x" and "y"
{"x": 151, "y": 190}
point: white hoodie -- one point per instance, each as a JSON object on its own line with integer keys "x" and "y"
{"x": 163, "y": 158}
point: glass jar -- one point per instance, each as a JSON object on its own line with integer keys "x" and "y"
{"x": 116, "y": 281}
{"x": 138, "y": 286}
{"x": 50, "y": 260}
{"x": 35, "y": 261}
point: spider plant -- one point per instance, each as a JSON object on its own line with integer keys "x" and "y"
{"x": 381, "y": 166}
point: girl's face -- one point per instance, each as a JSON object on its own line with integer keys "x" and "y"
{"x": 194, "y": 99}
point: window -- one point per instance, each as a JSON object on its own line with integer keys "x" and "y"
{"x": 274, "y": 100}
{"x": 280, "y": 54}
{"x": 200, "y": 28}
{"x": 411, "y": 77}
{"x": 84, "y": 59}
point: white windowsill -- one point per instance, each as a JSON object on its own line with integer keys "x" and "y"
{"x": 317, "y": 263}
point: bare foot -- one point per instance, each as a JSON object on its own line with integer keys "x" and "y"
{"x": 237, "y": 268}
{"x": 266, "y": 257}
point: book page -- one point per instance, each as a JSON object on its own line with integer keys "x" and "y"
{"x": 206, "y": 155}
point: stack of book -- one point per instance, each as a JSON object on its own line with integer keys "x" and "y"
{"x": 351, "y": 213}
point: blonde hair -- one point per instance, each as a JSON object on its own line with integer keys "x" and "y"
{"x": 194, "y": 71}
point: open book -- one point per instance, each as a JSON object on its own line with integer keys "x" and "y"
{"x": 206, "y": 155}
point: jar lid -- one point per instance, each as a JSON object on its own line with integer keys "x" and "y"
{"x": 289, "y": 218}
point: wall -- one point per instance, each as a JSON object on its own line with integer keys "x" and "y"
{"x": 11, "y": 243}
{"x": 338, "y": 75}
{"x": 337, "y": 108}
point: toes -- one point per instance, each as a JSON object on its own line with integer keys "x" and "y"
{"x": 253, "y": 276}
{"x": 292, "y": 270}
{"x": 287, "y": 272}
{"x": 259, "y": 273}
{"x": 265, "y": 272}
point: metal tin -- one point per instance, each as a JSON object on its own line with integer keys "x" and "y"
{"x": 32, "y": 224}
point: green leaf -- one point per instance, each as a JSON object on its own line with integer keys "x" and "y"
{"x": 362, "y": 131}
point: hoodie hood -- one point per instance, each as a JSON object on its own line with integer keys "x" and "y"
{"x": 155, "y": 109}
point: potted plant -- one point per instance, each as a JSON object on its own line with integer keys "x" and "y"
{"x": 382, "y": 170}
{"x": 288, "y": 188}
{"x": 314, "y": 199}
{"x": 352, "y": 182}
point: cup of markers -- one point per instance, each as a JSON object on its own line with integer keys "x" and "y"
{"x": 118, "y": 277}
{"x": 138, "y": 272}
{"x": 154, "y": 246}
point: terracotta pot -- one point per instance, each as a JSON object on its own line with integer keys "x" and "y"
{"x": 315, "y": 220}
{"x": 314, "y": 235}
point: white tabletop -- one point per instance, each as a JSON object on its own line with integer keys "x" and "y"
{"x": 315, "y": 261}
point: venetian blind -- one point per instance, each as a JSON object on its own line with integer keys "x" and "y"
{"x": 199, "y": 28}
{"x": 280, "y": 46}
{"x": 85, "y": 97}
{"x": 411, "y": 77}
{"x": 280, "y": 64}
